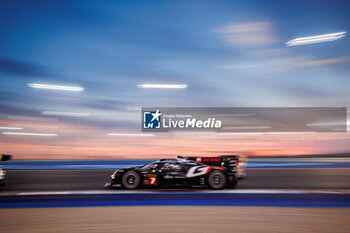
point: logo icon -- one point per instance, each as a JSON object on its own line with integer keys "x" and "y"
{"x": 197, "y": 171}
{"x": 151, "y": 120}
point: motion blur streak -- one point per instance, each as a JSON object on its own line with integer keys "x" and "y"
{"x": 30, "y": 134}
{"x": 71, "y": 114}
{"x": 28, "y": 118}
{"x": 243, "y": 134}
{"x": 10, "y": 128}
{"x": 316, "y": 39}
{"x": 247, "y": 127}
{"x": 320, "y": 124}
{"x": 55, "y": 87}
{"x": 291, "y": 132}
{"x": 175, "y": 86}
{"x": 64, "y": 199}
{"x": 130, "y": 135}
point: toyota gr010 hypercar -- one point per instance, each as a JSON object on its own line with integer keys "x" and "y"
{"x": 213, "y": 172}
{"x": 2, "y": 176}
{"x": 2, "y": 172}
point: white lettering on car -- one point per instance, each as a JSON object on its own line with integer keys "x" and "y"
{"x": 197, "y": 171}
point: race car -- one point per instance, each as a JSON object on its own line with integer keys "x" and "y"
{"x": 2, "y": 172}
{"x": 2, "y": 176}
{"x": 213, "y": 172}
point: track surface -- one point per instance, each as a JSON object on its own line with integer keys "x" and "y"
{"x": 207, "y": 211}
{"x": 291, "y": 178}
{"x": 174, "y": 219}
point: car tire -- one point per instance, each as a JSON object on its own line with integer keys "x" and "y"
{"x": 131, "y": 180}
{"x": 217, "y": 180}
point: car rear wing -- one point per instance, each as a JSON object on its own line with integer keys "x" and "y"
{"x": 221, "y": 161}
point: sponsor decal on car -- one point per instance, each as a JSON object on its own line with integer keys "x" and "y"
{"x": 197, "y": 171}
{"x": 152, "y": 179}
{"x": 211, "y": 159}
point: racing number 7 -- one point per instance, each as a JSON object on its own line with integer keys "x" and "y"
{"x": 152, "y": 180}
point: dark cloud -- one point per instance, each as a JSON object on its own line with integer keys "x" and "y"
{"x": 10, "y": 109}
{"x": 105, "y": 104}
{"x": 15, "y": 110}
{"x": 11, "y": 66}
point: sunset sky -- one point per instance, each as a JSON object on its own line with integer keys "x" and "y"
{"x": 228, "y": 53}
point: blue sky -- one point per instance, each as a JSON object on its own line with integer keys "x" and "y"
{"x": 229, "y": 53}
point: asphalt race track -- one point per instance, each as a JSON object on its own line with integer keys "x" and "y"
{"x": 319, "y": 197}
{"x": 284, "y": 187}
{"x": 68, "y": 180}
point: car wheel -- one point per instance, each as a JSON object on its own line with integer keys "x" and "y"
{"x": 217, "y": 180}
{"x": 131, "y": 180}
